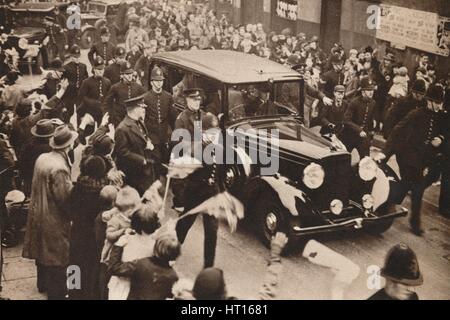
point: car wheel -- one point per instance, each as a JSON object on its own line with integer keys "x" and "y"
{"x": 380, "y": 227}
{"x": 87, "y": 39}
{"x": 269, "y": 218}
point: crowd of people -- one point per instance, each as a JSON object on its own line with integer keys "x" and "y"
{"x": 108, "y": 221}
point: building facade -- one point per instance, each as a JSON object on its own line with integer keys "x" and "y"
{"x": 356, "y": 24}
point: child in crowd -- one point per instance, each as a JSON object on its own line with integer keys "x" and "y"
{"x": 400, "y": 86}
{"x": 144, "y": 222}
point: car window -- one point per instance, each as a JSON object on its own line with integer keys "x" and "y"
{"x": 287, "y": 96}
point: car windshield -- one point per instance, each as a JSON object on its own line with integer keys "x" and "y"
{"x": 28, "y": 19}
{"x": 252, "y": 100}
{"x": 96, "y": 8}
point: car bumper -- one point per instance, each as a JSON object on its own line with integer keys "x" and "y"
{"x": 350, "y": 224}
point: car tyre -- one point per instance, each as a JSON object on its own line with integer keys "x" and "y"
{"x": 380, "y": 227}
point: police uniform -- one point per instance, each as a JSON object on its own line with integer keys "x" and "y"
{"x": 332, "y": 78}
{"x": 411, "y": 142}
{"x": 56, "y": 40}
{"x": 102, "y": 49}
{"x": 133, "y": 57}
{"x": 112, "y": 72}
{"x": 133, "y": 151}
{"x": 332, "y": 117}
{"x": 93, "y": 92}
{"x": 119, "y": 92}
{"x": 160, "y": 115}
{"x": 201, "y": 185}
{"x": 359, "y": 117}
{"x": 76, "y": 73}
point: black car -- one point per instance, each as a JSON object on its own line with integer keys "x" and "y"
{"x": 25, "y": 22}
{"x": 315, "y": 188}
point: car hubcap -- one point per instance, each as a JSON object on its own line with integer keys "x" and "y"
{"x": 271, "y": 222}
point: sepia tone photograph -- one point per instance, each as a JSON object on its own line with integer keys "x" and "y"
{"x": 223, "y": 150}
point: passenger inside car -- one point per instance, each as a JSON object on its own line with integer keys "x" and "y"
{"x": 256, "y": 102}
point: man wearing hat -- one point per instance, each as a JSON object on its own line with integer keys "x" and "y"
{"x": 418, "y": 141}
{"x": 136, "y": 35}
{"x": 161, "y": 115}
{"x": 93, "y": 91}
{"x": 359, "y": 120}
{"x": 76, "y": 72}
{"x": 48, "y": 222}
{"x": 134, "y": 152}
{"x": 402, "y": 274}
{"x": 332, "y": 78}
{"x": 104, "y": 48}
{"x": 332, "y": 117}
{"x": 142, "y": 65}
{"x": 42, "y": 131}
{"x": 55, "y": 40}
{"x": 402, "y": 106}
{"x": 126, "y": 89}
{"x": 382, "y": 74}
{"x": 112, "y": 71}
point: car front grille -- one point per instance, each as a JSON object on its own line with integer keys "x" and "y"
{"x": 338, "y": 173}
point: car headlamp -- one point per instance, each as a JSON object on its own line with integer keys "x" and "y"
{"x": 367, "y": 201}
{"x": 336, "y": 206}
{"x": 367, "y": 169}
{"x": 313, "y": 176}
{"x": 23, "y": 43}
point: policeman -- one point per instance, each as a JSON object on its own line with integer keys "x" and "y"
{"x": 112, "y": 72}
{"x": 104, "y": 48}
{"x": 134, "y": 151}
{"x": 417, "y": 142}
{"x": 55, "y": 40}
{"x": 93, "y": 91}
{"x": 161, "y": 114}
{"x": 142, "y": 65}
{"x": 332, "y": 117}
{"x": 189, "y": 119}
{"x": 402, "y": 273}
{"x": 333, "y": 77}
{"x": 359, "y": 120}
{"x": 119, "y": 92}
{"x": 206, "y": 182}
{"x": 76, "y": 73}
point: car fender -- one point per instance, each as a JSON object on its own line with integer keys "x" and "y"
{"x": 387, "y": 187}
{"x": 87, "y": 27}
{"x": 288, "y": 193}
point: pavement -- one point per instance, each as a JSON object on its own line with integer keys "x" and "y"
{"x": 244, "y": 259}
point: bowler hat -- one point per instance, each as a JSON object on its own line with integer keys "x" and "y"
{"x": 367, "y": 84}
{"x": 44, "y": 128}
{"x": 103, "y": 145}
{"x": 401, "y": 266}
{"x": 157, "y": 74}
{"x": 63, "y": 137}
{"x": 209, "y": 285}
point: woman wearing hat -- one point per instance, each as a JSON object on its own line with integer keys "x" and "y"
{"x": 48, "y": 225}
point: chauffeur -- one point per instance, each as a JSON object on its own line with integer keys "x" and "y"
{"x": 417, "y": 141}
{"x": 104, "y": 48}
{"x": 119, "y": 92}
{"x": 160, "y": 115}
{"x": 76, "y": 73}
{"x": 359, "y": 120}
{"x": 93, "y": 91}
{"x": 134, "y": 151}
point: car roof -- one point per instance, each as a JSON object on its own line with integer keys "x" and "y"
{"x": 228, "y": 66}
{"x": 37, "y": 6}
{"x": 112, "y": 2}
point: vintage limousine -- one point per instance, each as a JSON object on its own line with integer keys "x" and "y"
{"x": 316, "y": 188}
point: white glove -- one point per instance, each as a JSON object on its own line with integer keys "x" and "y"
{"x": 87, "y": 120}
{"x": 327, "y": 101}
